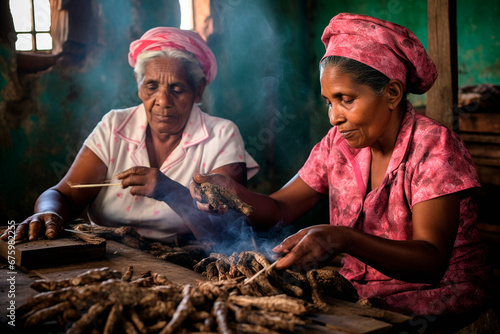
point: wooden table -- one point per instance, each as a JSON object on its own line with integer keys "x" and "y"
{"x": 343, "y": 317}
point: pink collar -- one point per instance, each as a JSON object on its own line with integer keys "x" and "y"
{"x": 133, "y": 128}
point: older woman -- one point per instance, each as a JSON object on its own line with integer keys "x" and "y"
{"x": 399, "y": 184}
{"x": 159, "y": 144}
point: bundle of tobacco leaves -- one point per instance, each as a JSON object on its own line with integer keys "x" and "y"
{"x": 105, "y": 301}
{"x": 185, "y": 253}
{"x": 310, "y": 286}
{"x": 217, "y": 196}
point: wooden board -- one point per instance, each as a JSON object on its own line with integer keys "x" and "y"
{"x": 120, "y": 257}
{"x": 479, "y": 122}
{"x": 352, "y": 323}
{"x": 340, "y": 307}
{"x": 51, "y": 253}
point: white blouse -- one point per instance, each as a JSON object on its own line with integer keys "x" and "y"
{"x": 119, "y": 140}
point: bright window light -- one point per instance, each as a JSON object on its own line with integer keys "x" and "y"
{"x": 32, "y": 24}
{"x": 24, "y": 42}
{"x": 42, "y": 15}
{"x": 186, "y": 14}
{"x": 21, "y": 14}
{"x": 43, "y": 41}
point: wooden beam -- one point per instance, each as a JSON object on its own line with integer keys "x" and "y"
{"x": 442, "y": 48}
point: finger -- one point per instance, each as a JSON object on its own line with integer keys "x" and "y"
{"x": 6, "y": 233}
{"x": 132, "y": 180}
{"x": 125, "y": 173}
{"x": 280, "y": 249}
{"x": 286, "y": 261}
{"x": 194, "y": 190}
{"x": 299, "y": 256}
{"x": 140, "y": 190}
{"x": 35, "y": 226}
{"x": 141, "y": 170}
{"x": 205, "y": 207}
{"x": 288, "y": 243}
{"x": 132, "y": 171}
{"x": 200, "y": 178}
{"x": 222, "y": 209}
{"x": 21, "y": 231}
{"x": 51, "y": 229}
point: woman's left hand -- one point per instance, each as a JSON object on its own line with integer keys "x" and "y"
{"x": 144, "y": 181}
{"x": 312, "y": 247}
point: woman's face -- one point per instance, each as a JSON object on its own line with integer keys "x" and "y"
{"x": 361, "y": 116}
{"x": 167, "y": 96}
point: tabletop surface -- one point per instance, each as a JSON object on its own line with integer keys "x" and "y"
{"x": 340, "y": 317}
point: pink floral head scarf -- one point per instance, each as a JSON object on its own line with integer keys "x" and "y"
{"x": 387, "y": 47}
{"x": 168, "y": 38}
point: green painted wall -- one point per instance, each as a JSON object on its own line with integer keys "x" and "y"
{"x": 263, "y": 83}
{"x": 478, "y": 25}
{"x": 268, "y": 83}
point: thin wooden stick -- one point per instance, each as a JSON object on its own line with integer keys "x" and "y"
{"x": 72, "y": 185}
{"x": 271, "y": 266}
{"x": 254, "y": 244}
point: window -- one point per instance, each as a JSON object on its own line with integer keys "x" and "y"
{"x": 186, "y": 14}
{"x": 32, "y": 24}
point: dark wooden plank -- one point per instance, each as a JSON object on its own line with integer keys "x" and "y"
{"x": 482, "y": 123}
{"x": 489, "y": 228}
{"x": 442, "y": 48}
{"x": 488, "y": 173}
{"x": 48, "y": 253}
{"x": 120, "y": 257}
{"x": 316, "y": 329}
{"x": 488, "y": 162}
{"x": 480, "y": 138}
{"x": 489, "y": 151}
{"x": 14, "y": 290}
{"x": 337, "y": 306}
{"x": 352, "y": 323}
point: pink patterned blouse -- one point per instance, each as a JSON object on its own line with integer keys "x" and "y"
{"x": 428, "y": 161}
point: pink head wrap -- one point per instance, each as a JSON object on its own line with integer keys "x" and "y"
{"x": 387, "y": 47}
{"x": 169, "y": 38}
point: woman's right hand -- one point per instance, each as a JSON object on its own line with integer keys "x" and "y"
{"x": 312, "y": 247}
{"x": 48, "y": 224}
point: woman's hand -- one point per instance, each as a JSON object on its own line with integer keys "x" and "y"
{"x": 144, "y": 181}
{"x": 49, "y": 224}
{"x": 218, "y": 179}
{"x": 312, "y": 247}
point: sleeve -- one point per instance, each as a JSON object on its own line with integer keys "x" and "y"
{"x": 232, "y": 148}
{"x": 443, "y": 166}
{"x": 315, "y": 171}
{"x": 99, "y": 140}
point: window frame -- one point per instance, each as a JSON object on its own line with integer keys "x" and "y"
{"x": 33, "y": 32}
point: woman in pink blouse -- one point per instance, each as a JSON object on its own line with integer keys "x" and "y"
{"x": 399, "y": 183}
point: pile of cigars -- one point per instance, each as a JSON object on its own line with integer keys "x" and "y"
{"x": 105, "y": 301}
{"x": 185, "y": 253}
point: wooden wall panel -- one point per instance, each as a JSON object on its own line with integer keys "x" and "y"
{"x": 442, "y": 97}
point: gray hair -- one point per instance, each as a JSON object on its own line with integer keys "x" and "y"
{"x": 188, "y": 60}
